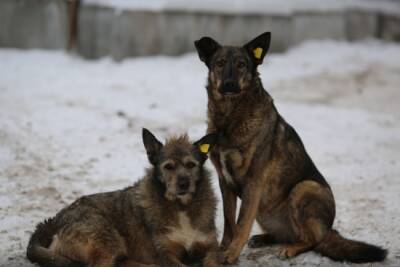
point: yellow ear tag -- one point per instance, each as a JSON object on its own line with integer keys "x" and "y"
{"x": 204, "y": 148}
{"x": 257, "y": 52}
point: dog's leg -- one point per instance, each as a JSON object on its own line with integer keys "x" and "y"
{"x": 229, "y": 200}
{"x": 169, "y": 254}
{"x": 229, "y": 205}
{"x": 171, "y": 260}
{"x": 131, "y": 263}
{"x": 311, "y": 212}
{"x": 291, "y": 250}
{"x": 211, "y": 258}
{"x": 251, "y": 196}
{"x": 104, "y": 260}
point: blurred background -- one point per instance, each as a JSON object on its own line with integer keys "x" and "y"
{"x": 79, "y": 80}
{"x": 126, "y": 28}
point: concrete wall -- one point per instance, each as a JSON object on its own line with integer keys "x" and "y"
{"x": 33, "y": 24}
{"x": 389, "y": 28}
{"x": 105, "y": 31}
{"x": 361, "y": 24}
{"x": 129, "y": 33}
{"x": 322, "y": 25}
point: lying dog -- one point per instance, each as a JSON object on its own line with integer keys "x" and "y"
{"x": 260, "y": 158}
{"x": 165, "y": 219}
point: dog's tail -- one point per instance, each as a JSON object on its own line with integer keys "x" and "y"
{"x": 39, "y": 247}
{"x": 339, "y": 248}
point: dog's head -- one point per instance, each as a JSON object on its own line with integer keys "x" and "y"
{"x": 178, "y": 164}
{"x": 231, "y": 69}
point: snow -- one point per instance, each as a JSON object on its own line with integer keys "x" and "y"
{"x": 249, "y": 6}
{"x": 70, "y": 127}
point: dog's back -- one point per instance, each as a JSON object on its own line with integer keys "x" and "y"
{"x": 109, "y": 220}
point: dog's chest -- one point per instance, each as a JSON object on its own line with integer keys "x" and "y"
{"x": 184, "y": 233}
{"x": 225, "y": 167}
{"x": 229, "y": 160}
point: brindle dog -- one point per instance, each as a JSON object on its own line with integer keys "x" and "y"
{"x": 260, "y": 158}
{"x": 165, "y": 219}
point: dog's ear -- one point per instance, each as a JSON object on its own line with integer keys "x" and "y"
{"x": 204, "y": 144}
{"x": 152, "y": 145}
{"x": 206, "y": 48}
{"x": 258, "y": 47}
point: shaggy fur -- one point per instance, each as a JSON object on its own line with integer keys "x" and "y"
{"x": 165, "y": 219}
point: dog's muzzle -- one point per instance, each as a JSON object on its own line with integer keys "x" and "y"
{"x": 183, "y": 185}
{"x": 229, "y": 87}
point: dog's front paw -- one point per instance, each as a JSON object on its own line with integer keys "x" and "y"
{"x": 256, "y": 241}
{"x": 231, "y": 255}
{"x": 225, "y": 243}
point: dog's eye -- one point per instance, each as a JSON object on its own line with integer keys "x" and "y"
{"x": 169, "y": 166}
{"x": 241, "y": 64}
{"x": 190, "y": 165}
{"x": 220, "y": 63}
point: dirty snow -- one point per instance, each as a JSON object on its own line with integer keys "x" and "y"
{"x": 70, "y": 127}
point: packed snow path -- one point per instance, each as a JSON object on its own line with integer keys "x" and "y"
{"x": 70, "y": 127}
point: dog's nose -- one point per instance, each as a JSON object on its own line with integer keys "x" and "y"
{"x": 183, "y": 183}
{"x": 230, "y": 86}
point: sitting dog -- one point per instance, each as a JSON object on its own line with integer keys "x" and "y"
{"x": 165, "y": 219}
{"x": 260, "y": 158}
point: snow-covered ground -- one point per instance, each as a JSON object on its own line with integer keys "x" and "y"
{"x": 70, "y": 127}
